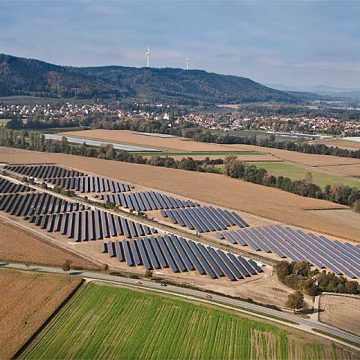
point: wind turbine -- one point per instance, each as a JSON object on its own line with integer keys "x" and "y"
{"x": 187, "y": 63}
{"x": 148, "y": 53}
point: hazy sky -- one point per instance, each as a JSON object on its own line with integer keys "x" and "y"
{"x": 300, "y": 43}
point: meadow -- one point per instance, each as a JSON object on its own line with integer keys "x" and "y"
{"x": 298, "y": 172}
{"x": 114, "y": 323}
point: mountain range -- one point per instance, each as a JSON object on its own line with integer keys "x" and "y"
{"x": 21, "y": 76}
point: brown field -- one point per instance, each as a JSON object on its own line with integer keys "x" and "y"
{"x": 217, "y": 189}
{"x": 18, "y": 246}
{"x": 347, "y": 170}
{"x": 305, "y": 159}
{"x": 342, "y": 144}
{"x": 245, "y": 158}
{"x": 347, "y": 319}
{"x": 134, "y": 138}
{"x": 27, "y": 300}
{"x": 182, "y": 144}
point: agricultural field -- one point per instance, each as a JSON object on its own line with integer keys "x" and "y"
{"x": 340, "y": 143}
{"x": 166, "y": 144}
{"x": 235, "y": 194}
{"x": 16, "y": 245}
{"x": 27, "y": 301}
{"x": 298, "y": 172}
{"x": 201, "y": 153}
{"x": 121, "y": 323}
{"x": 313, "y": 160}
{"x": 345, "y": 170}
{"x": 348, "y": 320}
{"x": 3, "y": 122}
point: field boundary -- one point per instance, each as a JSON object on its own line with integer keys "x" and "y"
{"x": 48, "y": 320}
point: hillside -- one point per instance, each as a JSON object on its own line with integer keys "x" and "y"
{"x": 20, "y": 76}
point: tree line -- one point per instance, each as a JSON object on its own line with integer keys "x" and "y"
{"x": 299, "y": 276}
{"x": 341, "y": 194}
{"x": 196, "y": 133}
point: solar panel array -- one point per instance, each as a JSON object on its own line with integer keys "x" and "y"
{"x": 23, "y": 204}
{"x": 76, "y": 221}
{"x": 43, "y": 171}
{"x": 341, "y": 258}
{"x": 146, "y": 201}
{"x": 8, "y": 187}
{"x": 204, "y": 219}
{"x": 69, "y": 179}
{"x": 180, "y": 255}
{"x": 88, "y": 184}
{"x": 91, "y": 225}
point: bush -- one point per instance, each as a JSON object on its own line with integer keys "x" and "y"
{"x": 67, "y": 265}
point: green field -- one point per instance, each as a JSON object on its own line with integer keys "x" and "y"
{"x": 297, "y": 172}
{"x": 118, "y": 323}
{"x": 197, "y": 153}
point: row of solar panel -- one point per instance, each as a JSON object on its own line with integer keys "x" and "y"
{"x": 146, "y": 201}
{"x": 21, "y": 204}
{"x": 204, "y": 219}
{"x": 300, "y": 246}
{"x": 90, "y": 225}
{"x": 7, "y": 186}
{"x": 181, "y": 255}
{"x": 87, "y": 184}
{"x": 43, "y": 171}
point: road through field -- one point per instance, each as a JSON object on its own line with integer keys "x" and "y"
{"x": 222, "y": 301}
{"x": 211, "y": 188}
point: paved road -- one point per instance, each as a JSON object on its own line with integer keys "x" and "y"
{"x": 303, "y": 324}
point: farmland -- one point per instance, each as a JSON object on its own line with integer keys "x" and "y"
{"x": 27, "y": 300}
{"x": 347, "y": 320}
{"x": 3, "y": 122}
{"x": 19, "y": 246}
{"x": 167, "y": 144}
{"x": 121, "y": 323}
{"x": 342, "y": 143}
{"x": 235, "y": 194}
{"x": 298, "y": 172}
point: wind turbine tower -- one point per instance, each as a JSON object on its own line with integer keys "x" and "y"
{"x": 148, "y": 53}
{"x": 187, "y": 63}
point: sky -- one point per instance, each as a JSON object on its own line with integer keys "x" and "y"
{"x": 293, "y": 43}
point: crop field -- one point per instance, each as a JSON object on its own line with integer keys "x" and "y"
{"x": 348, "y": 320}
{"x": 347, "y": 170}
{"x": 235, "y": 194}
{"x": 203, "y": 153}
{"x": 172, "y": 144}
{"x": 121, "y": 323}
{"x": 18, "y": 246}
{"x": 3, "y": 122}
{"x": 340, "y": 143}
{"x": 314, "y": 160}
{"x": 297, "y": 172}
{"x": 27, "y": 300}
{"x": 179, "y": 144}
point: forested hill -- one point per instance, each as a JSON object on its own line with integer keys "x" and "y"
{"x": 20, "y": 76}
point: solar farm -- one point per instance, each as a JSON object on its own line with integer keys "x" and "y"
{"x": 220, "y": 243}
